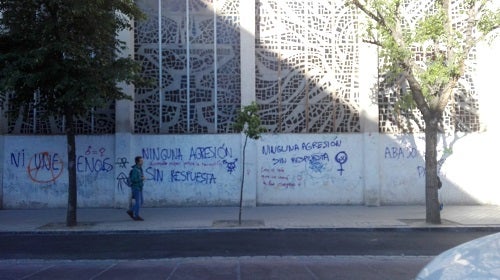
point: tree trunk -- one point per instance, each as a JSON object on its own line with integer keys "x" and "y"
{"x": 432, "y": 213}
{"x": 242, "y": 179}
{"x": 72, "y": 191}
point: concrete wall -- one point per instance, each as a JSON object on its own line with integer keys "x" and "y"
{"x": 310, "y": 169}
{"x": 193, "y": 170}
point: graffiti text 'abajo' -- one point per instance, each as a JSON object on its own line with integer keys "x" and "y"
{"x": 45, "y": 167}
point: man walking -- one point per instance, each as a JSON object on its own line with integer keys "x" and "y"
{"x": 136, "y": 184}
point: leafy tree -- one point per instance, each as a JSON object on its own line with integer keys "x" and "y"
{"x": 67, "y": 53}
{"x": 431, "y": 56}
{"x": 248, "y": 122}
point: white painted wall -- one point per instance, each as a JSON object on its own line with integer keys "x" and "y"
{"x": 465, "y": 165}
{"x": 35, "y": 172}
{"x": 206, "y": 170}
{"x": 185, "y": 170}
{"x": 310, "y": 169}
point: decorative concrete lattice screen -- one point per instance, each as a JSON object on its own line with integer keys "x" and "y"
{"x": 307, "y": 72}
{"x": 307, "y": 66}
{"x": 36, "y": 121}
{"x": 461, "y": 114}
{"x": 198, "y": 61}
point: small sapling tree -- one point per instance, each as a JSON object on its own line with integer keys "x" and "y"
{"x": 248, "y": 122}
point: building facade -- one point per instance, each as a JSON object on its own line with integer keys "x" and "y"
{"x": 334, "y": 135}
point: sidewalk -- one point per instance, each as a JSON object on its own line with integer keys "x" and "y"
{"x": 261, "y": 217}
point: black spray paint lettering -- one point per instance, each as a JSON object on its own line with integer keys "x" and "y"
{"x": 190, "y": 176}
{"x": 277, "y": 149}
{"x": 162, "y": 154}
{"x": 45, "y": 161}
{"x": 310, "y": 158}
{"x": 400, "y": 153}
{"x": 341, "y": 158}
{"x": 210, "y": 152}
{"x": 318, "y": 145}
{"x": 277, "y": 161}
{"x": 17, "y": 159}
{"x": 421, "y": 169}
{"x": 154, "y": 174}
{"x": 122, "y": 162}
{"x": 305, "y": 146}
{"x": 91, "y": 164}
{"x": 230, "y": 165}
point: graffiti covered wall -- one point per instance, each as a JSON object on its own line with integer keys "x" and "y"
{"x": 189, "y": 170}
{"x": 182, "y": 170}
{"x": 305, "y": 169}
{"x": 35, "y": 171}
{"x": 179, "y": 170}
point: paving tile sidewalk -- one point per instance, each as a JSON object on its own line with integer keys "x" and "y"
{"x": 230, "y": 268}
{"x": 267, "y": 217}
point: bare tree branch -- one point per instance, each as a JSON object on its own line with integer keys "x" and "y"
{"x": 373, "y": 42}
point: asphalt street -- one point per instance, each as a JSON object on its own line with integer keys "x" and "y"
{"x": 231, "y": 243}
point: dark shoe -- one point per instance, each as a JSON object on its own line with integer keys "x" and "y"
{"x": 130, "y": 214}
{"x": 138, "y": 218}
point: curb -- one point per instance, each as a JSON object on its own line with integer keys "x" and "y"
{"x": 481, "y": 228}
